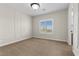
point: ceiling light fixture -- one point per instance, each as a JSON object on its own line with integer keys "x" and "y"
{"x": 35, "y": 6}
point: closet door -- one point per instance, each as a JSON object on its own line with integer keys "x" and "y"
{"x": 17, "y": 26}
{"x": 22, "y": 24}
{"x": 6, "y": 25}
{"x": 26, "y": 26}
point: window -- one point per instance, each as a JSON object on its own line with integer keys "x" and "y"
{"x": 46, "y": 26}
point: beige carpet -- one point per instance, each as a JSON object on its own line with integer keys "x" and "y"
{"x": 37, "y": 47}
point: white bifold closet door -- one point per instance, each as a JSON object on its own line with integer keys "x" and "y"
{"x": 22, "y": 26}
{"x": 14, "y": 26}
{"x": 6, "y": 25}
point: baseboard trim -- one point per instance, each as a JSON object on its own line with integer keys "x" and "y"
{"x": 15, "y": 41}
{"x": 12, "y": 42}
{"x": 50, "y": 39}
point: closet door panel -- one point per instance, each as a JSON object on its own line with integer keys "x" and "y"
{"x": 6, "y": 26}
{"x": 17, "y": 26}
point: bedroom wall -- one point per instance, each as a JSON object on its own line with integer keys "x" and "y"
{"x": 76, "y": 29}
{"x": 60, "y": 26}
{"x": 14, "y": 26}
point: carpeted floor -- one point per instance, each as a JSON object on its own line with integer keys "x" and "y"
{"x": 37, "y": 47}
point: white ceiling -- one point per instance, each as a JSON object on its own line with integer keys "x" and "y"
{"x": 44, "y": 8}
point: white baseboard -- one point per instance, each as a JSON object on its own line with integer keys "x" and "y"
{"x": 51, "y": 39}
{"x": 13, "y": 41}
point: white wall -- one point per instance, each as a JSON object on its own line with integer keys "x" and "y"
{"x": 76, "y": 35}
{"x": 60, "y": 26}
{"x": 14, "y": 26}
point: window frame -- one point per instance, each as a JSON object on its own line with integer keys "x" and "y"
{"x": 49, "y": 19}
